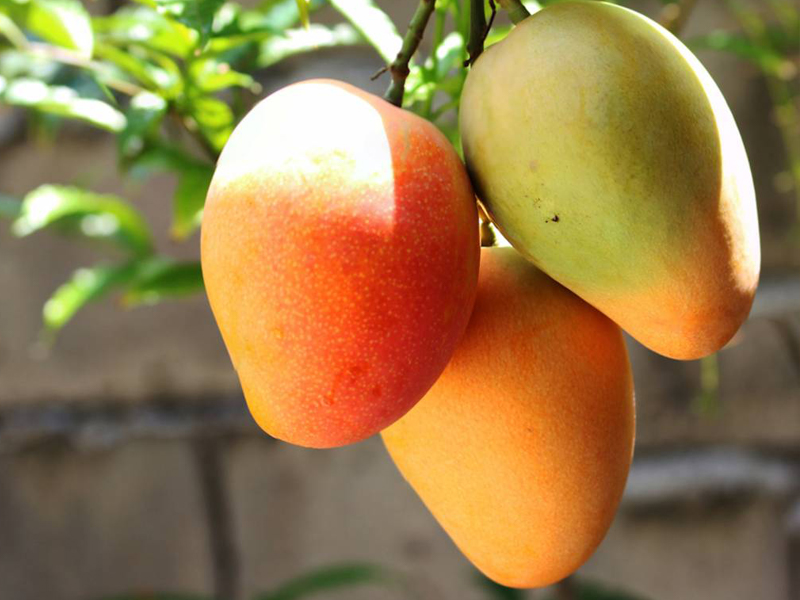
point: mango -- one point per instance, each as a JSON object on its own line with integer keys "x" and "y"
{"x": 340, "y": 254}
{"x": 606, "y": 154}
{"x": 522, "y": 448}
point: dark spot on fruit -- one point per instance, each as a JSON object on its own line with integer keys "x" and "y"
{"x": 555, "y": 219}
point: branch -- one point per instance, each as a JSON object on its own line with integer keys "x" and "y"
{"x": 516, "y": 11}
{"x": 399, "y": 67}
{"x": 477, "y": 29}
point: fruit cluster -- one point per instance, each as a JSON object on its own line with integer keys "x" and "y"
{"x": 340, "y": 250}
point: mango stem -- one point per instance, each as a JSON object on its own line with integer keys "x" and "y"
{"x": 399, "y": 68}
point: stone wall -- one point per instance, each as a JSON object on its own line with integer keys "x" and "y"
{"x": 128, "y": 460}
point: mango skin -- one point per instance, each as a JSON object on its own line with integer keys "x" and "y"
{"x": 340, "y": 256}
{"x": 522, "y": 448}
{"x": 605, "y": 153}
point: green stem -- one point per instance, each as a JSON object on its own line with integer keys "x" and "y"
{"x": 399, "y": 68}
{"x": 515, "y": 9}
{"x": 477, "y": 29}
{"x": 438, "y": 36}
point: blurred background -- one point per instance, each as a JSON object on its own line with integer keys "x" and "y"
{"x": 129, "y": 466}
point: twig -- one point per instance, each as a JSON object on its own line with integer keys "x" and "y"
{"x": 399, "y": 67}
{"x": 477, "y": 29}
{"x": 493, "y": 7}
{"x": 515, "y": 9}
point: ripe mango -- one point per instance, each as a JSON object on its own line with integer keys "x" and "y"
{"x": 340, "y": 255}
{"x": 606, "y": 154}
{"x": 522, "y": 448}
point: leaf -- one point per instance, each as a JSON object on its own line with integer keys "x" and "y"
{"x": 298, "y": 41}
{"x": 497, "y": 591}
{"x": 194, "y": 177}
{"x": 302, "y": 9}
{"x": 190, "y": 197}
{"x": 159, "y": 596}
{"x": 162, "y": 278}
{"x": 449, "y": 54}
{"x": 143, "y": 26}
{"x": 195, "y": 14}
{"x": 214, "y": 119}
{"x": 62, "y": 101}
{"x": 211, "y": 75}
{"x": 99, "y": 216}
{"x": 61, "y": 22}
{"x": 143, "y": 117}
{"x": 331, "y": 578}
{"x": 86, "y": 285}
{"x": 583, "y": 590}
{"x": 12, "y": 33}
{"x": 765, "y": 58}
{"x": 283, "y": 14}
{"x": 372, "y": 23}
{"x": 145, "y": 72}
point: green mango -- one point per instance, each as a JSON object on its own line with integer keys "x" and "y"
{"x": 605, "y": 153}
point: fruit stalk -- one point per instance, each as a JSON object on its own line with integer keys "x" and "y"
{"x": 477, "y": 29}
{"x": 399, "y": 68}
{"x": 515, "y": 9}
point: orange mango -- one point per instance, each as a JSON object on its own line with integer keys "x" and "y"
{"x": 522, "y": 448}
{"x": 340, "y": 256}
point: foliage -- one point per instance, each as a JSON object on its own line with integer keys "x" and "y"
{"x": 171, "y": 78}
{"x": 309, "y": 585}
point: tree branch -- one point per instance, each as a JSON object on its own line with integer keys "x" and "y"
{"x": 477, "y": 29}
{"x": 399, "y": 68}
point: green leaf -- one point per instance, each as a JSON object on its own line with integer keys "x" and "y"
{"x": 11, "y": 32}
{"x": 331, "y": 578}
{"x": 61, "y": 22}
{"x": 762, "y": 56}
{"x": 194, "y": 177}
{"x": 86, "y": 285}
{"x": 190, "y": 197}
{"x": 583, "y": 590}
{"x": 497, "y": 591}
{"x": 62, "y": 101}
{"x": 158, "y": 596}
{"x": 211, "y": 75}
{"x": 302, "y": 9}
{"x": 373, "y": 24}
{"x": 145, "y": 72}
{"x": 162, "y": 278}
{"x": 195, "y": 14}
{"x": 99, "y": 216}
{"x": 143, "y": 26}
{"x": 143, "y": 117}
{"x": 214, "y": 119}
{"x": 298, "y": 41}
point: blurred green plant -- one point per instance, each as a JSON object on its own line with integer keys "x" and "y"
{"x": 171, "y": 78}
{"x": 571, "y": 588}
{"x": 308, "y": 585}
